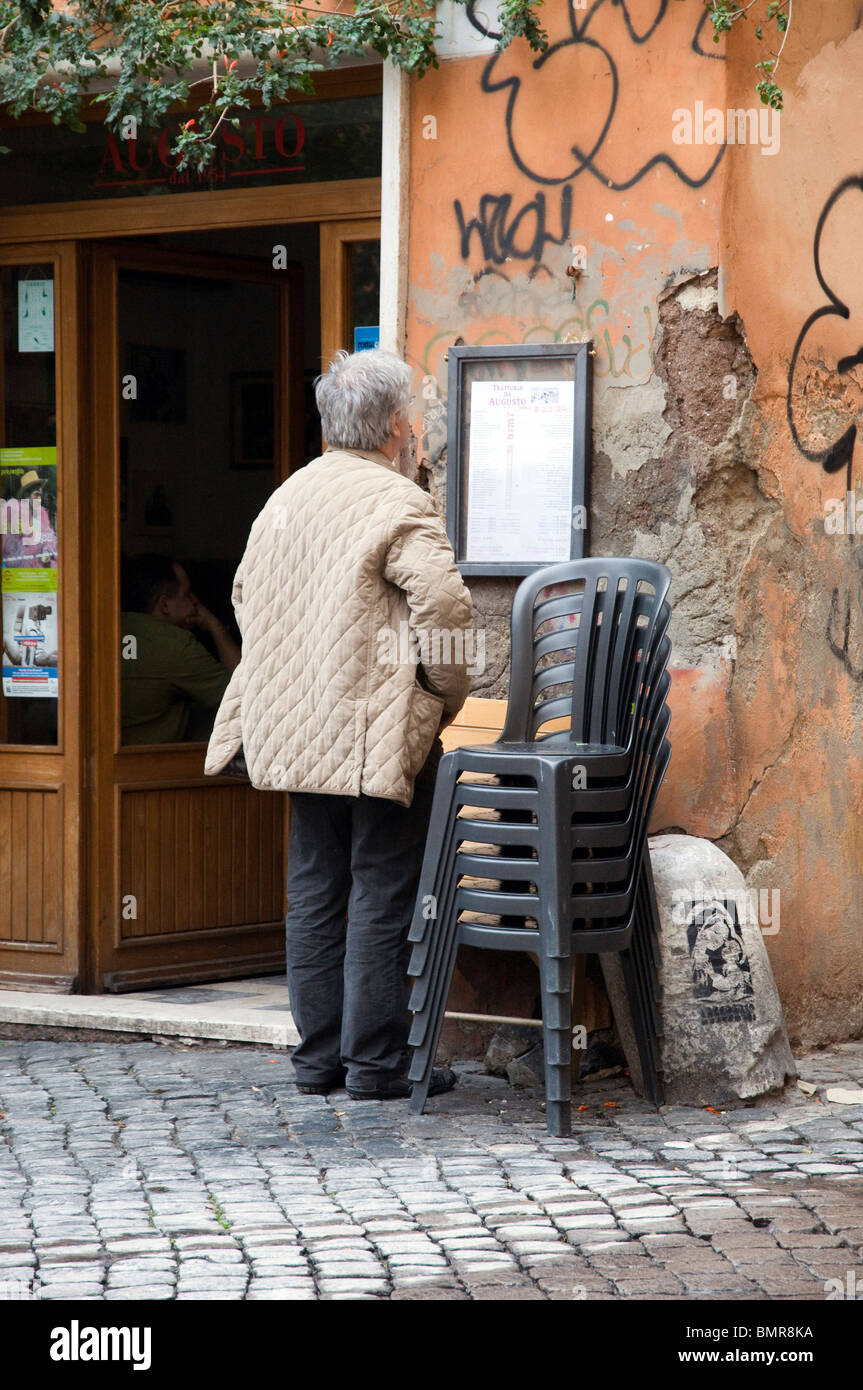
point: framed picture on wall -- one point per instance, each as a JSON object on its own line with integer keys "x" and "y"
{"x": 518, "y": 456}
{"x": 253, "y": 409}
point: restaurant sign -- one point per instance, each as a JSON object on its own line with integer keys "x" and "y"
{"x": 263, "y": 143}
{"x": 302, "y": 142}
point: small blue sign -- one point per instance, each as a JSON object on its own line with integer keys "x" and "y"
{"x": 365, "y": 338}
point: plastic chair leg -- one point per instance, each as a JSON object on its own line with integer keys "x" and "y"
{"x": 426, "y": 982}
{"x": 577, "y": 996}
{"x": 422, "y": 1062}
{"x": 556, "y": 981}
{"x": 640, "y": 1027}
{"x": 435, "y": 855}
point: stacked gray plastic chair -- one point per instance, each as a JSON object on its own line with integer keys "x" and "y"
{"x": 567, "y": 848}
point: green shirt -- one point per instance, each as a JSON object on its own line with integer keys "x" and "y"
{"x": 163, "y": 675}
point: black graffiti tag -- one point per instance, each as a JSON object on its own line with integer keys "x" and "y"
{"x": 839, "y": 453}
{"x": 524, "y": 237}
{"x": 585, "y": 159}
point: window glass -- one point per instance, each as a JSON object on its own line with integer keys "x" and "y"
{"x": 364, "y": 270}
{"x": 197, "y": 464}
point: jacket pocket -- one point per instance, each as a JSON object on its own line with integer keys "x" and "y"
{"x": 425, "y": 717}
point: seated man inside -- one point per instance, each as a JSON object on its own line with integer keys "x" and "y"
{"x": 168, "y": 678}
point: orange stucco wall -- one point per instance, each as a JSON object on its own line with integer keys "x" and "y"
{"x": 699, "y": 280}
{"x": 798, "y": 724}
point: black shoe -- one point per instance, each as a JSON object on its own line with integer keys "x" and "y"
{"x": 321, "y": 1088}
{"x": 398, "y": 1088}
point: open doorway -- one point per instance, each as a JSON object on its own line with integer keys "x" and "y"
{"x": 217, "y": 407}
{"x": 206, "y": 350}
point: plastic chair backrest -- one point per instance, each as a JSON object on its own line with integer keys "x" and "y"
{"x": 582, "y": 650}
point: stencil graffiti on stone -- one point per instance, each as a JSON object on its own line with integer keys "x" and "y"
{"x": 720, "y": 966}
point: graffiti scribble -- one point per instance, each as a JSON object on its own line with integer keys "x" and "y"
{"x": 585, "y": 159}
{"x": 837, "y": 453}
{"x": 499, "y": 236}
{"x": 840, "y": 452}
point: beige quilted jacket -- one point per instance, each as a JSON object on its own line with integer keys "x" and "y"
{"x": 345, "y": 552}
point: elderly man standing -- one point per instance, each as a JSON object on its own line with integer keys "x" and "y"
{"x": 345, "y": 557}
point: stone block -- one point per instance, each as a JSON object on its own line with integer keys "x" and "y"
{"x": 725, "y": 1040}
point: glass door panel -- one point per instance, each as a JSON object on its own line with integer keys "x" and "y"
{"x": 364, "y": 292}
{"x": 350, "y": 286}
{"x": 198, "y": 459}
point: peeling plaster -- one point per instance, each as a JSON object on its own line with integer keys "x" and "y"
{"x": 633, "y": 431}
{"x": 676, "y": 216}
{"x": 698, "y": 294}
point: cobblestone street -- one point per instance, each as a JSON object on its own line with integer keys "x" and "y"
{"x": 153, "y": 1171}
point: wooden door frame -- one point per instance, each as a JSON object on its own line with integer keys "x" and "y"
{"x": 191, "y": 212}
{"x": 61, "y": 768}
{"x": 179, "y": 765}
{"x": 336, "y": 239}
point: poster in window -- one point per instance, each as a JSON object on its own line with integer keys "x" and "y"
{"x": 29, "y": 575}
{"x": 35, "y": 315}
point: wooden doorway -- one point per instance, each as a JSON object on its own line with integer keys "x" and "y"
{"x": 191, "y": 353}
{"x": 122, "y": 866}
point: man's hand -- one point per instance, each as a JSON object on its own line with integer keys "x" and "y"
{"x": 226, "y": 647}
{"x": 203, "y": 618}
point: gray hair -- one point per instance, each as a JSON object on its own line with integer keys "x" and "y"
{"x": 358, "y": 396}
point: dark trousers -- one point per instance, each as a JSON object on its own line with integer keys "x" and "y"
{"x": 357, "y": 858}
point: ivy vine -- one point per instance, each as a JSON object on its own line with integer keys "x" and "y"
{"x": 723, "y": 18}
{"x": 146, "y": 56}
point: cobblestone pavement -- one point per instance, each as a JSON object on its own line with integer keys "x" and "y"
{"x": 140, "y": 1170}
